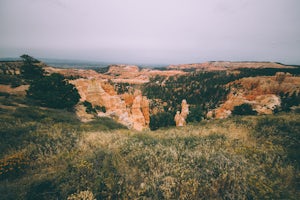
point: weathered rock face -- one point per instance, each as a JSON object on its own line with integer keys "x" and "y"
{"x": 260, "y": 92}
{"x": 265, "y": 104}
{"x": 181, "y": 117}
{"x": 131, "y": 111}
{"x": 146, "y": 110}
{"x": 138, "y": 109}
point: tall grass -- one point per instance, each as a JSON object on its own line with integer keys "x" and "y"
{"x": 251, "y": 157}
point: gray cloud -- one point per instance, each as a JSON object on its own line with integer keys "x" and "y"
{"x": 169, "y": 31}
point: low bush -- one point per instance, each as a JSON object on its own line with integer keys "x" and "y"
{"x": 243, "y": 109}
{"x": 160, "y": 120}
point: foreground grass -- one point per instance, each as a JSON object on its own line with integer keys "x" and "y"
{"x": 238, "y": 158}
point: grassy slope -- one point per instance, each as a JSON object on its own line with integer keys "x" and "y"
{"x": 47, "y": 157}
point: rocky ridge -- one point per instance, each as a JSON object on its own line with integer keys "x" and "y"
{"x": 117, "y": 73}
{"x": 224, "y": 65}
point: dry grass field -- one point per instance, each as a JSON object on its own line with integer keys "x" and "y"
{"x": 49, "y": 154}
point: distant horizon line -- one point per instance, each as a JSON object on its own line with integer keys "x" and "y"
{"x": 84, "y": 61}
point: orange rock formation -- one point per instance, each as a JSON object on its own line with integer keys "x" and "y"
{"x": 261, "y": 92}
{"x": 132, "y": 113}
{"x": 181, "y": 117}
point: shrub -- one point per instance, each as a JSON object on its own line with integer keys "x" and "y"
{"x": 13, "y": 165}
{"x": 195, "y": 114}
{"x": 89, "y": 107}
{"x": 30, "y": 71}
{"x": 244, "y": 109}
{"x": 101, "y": 108}
{"x": 163, "y": 119}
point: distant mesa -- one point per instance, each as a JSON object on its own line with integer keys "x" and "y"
{"x": 226, "y": 65}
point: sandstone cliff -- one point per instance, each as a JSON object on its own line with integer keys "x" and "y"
{"x": 131, "y": 111}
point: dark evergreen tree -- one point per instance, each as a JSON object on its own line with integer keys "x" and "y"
{"x": 53, "y": 91}
{"x": 30, "y": 70}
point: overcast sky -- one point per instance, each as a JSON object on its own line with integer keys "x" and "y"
{"x": 152, "y": 31}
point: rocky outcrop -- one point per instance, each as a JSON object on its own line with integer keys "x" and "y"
{"x": 132, "y": 74}
{"x": 140, "y": 111}
{"x": 131, "y": 110}
{"x": 180, "y": 117}
{"x": 146, "y": 110}
{"x": 184, "y": 109}
{"x": 179, "y": 120}
{"x": 260, "y": 92}
{"x": 266, "y": 104}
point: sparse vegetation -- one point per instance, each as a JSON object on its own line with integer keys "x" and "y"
{"x": 46, "y": 154}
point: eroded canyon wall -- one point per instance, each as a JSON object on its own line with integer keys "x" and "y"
{"x": 131, "y": 110}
